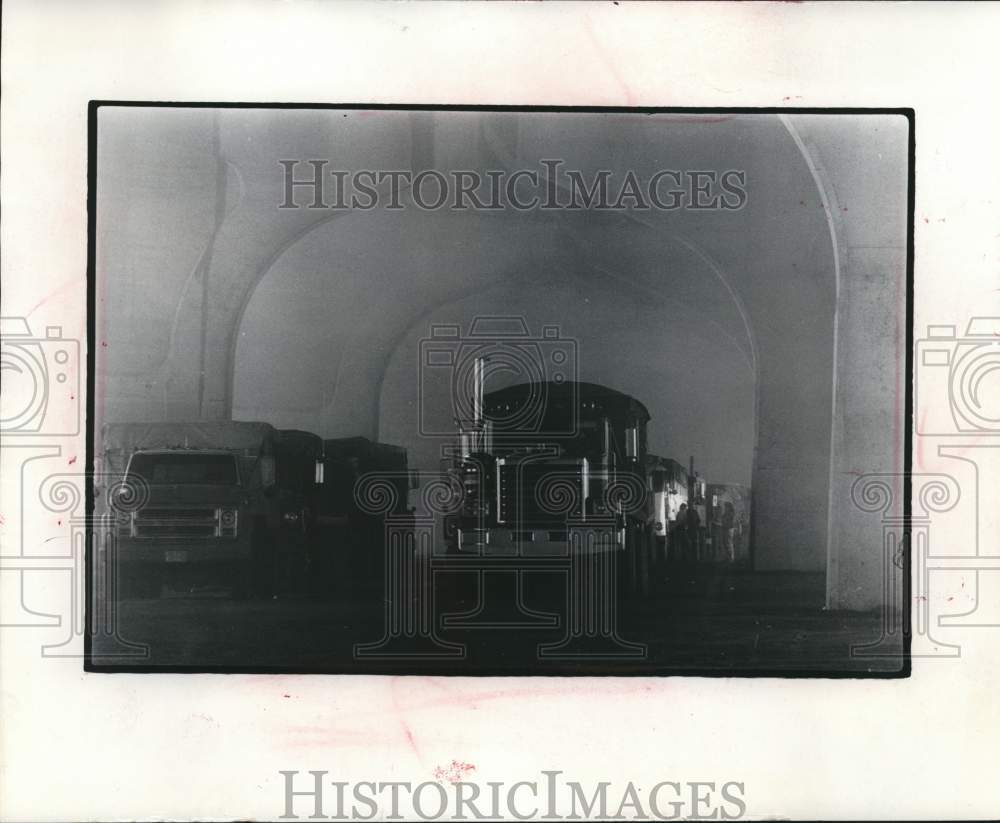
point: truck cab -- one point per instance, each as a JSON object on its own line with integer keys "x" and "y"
{"x": 207, "y": 502}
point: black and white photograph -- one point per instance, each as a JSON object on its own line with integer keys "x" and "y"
{"x": 417, "y": 410}
{"x": 499, "y": 391}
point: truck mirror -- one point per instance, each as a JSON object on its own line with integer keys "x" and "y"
{"x": 320, "y": 473}
{"x": 632, "y": 443}
{"x": 268, "y": 471}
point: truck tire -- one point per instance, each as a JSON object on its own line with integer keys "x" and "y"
{"x": 634, "y": 570}
{"x": 138, "y": 584}
{"x": 644, "y": 557}
{"x": 627, "y": 571}
{"x": 255, "y": 577}
{"x": 264, "y": 565}
{"x": 243, "y": 581}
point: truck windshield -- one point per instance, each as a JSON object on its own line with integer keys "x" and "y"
{"x": 193, "y": 469}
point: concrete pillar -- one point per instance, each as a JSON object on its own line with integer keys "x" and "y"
{"x": 868, "y": 233}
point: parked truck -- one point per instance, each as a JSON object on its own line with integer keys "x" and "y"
{"x": 347, "y": 553}
{"x": 668, "y": 486}
{"x": 549, "y": 468}
{"x": 229, "y": 502}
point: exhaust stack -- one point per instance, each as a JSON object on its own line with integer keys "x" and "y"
{"x": 478, "y": 437}
{"x": 477, "y": 392}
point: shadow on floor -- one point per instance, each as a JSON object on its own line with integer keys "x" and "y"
{"x": 703, "y": 621}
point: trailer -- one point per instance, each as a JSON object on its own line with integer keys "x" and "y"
{"x": 347, "y": 551}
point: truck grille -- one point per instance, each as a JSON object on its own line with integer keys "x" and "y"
{"x": 187, "y": 522}
{"x": 540, "y": 493}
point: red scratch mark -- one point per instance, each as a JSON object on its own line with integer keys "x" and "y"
{"x": 72, "y": 460}
{"x": 455, "y": 772}
{"x": 50, "y": 295}
{"x": 104, "y": 344}
{"x": 401, "y": 717}
{"x": 425, "y": 695}
{"x": 788, "y": 97}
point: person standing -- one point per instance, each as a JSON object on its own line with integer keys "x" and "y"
{"x": 679, "y": 538}
{"x": 716, "y": 532}
{"x": 693, "y": 533}
{"x": 728, "y": 532}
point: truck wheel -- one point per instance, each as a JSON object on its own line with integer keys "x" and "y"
{"x": 262, "y": 563}
{"x": 634, "y": 572}
{"x": 243, "y": 581}
{"x": 627, "y": 571}
{"x": 644, "y": 573}
{"x": 138, "y": 584}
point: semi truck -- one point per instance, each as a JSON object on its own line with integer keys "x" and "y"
{"x": 547, "y": 468}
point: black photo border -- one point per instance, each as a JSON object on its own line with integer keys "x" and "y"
{"x": 412, "y": 668}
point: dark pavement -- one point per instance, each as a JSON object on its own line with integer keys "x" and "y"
{"x": 713, "y": 622}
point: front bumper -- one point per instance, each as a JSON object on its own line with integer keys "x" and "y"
{"x": 205, "y": 552}
{"x": 536, "y": 542}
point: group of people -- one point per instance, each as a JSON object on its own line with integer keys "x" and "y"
{"x": 686, "y": 537}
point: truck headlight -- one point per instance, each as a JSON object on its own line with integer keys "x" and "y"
{"x": 228, "y": 520}
{"x": 290, "y": 517}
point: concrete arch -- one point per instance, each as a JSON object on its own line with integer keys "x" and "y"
{"x": 832, "y": 210}
{"x": 808, "y": 276}
{"x": 782, "y": 248}
{"x": 603, "y": 315}
{"x": 771, "y": 280}
{"x": 256, "y": 231}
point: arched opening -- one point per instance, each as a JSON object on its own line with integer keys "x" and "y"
{"x": 330, "y": 317}
{"x": 672, "y": 335}
{"x": 699, "y": 387}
